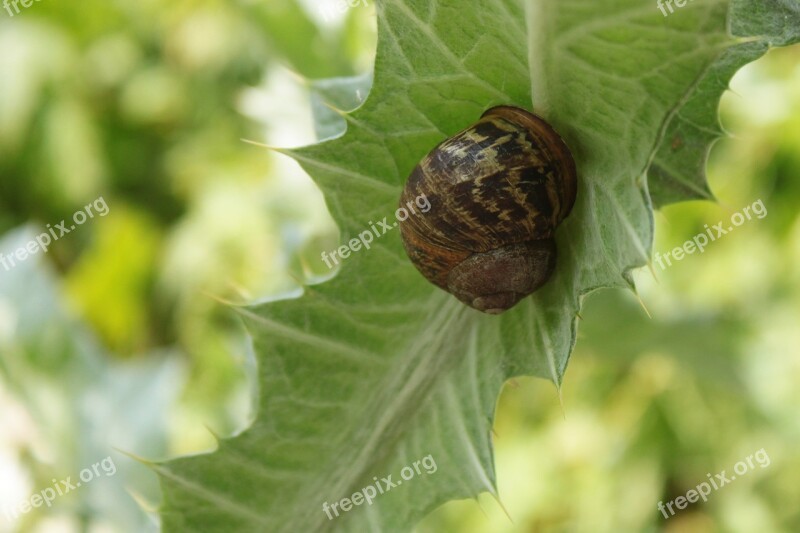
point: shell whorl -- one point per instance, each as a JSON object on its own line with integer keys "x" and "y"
{"x": 507, "y": 180}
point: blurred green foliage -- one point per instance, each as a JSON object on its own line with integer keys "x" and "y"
{"x": 146, "y": 103}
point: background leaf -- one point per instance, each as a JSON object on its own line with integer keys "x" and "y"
{"x": 57, "y": 367}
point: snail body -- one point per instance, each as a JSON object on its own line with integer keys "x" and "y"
{"x": 498, "y": 188}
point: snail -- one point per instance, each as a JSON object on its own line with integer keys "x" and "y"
{"x": 498, "y": 188}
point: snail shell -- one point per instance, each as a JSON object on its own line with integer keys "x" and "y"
{"x": 498, "y": 189}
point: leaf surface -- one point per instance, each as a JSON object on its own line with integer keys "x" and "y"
{"x": 367, "y": 373}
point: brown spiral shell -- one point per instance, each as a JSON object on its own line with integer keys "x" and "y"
{"x": 498, "y": 189}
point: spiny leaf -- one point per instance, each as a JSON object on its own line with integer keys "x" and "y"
{"x": 375, "y": 369}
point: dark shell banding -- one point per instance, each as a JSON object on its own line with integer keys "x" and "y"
{"x": 498, "y": 189}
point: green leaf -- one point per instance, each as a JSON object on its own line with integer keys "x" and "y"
{"x": 375, "y": 369}
{"x": 330, "y": 97}
{"x": 678, "y": 170}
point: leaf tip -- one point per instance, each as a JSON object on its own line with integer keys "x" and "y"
{"x": 137, "y": 458}
{"x": 268, "y": 147}
{"x": 502, "y": 506}
{"x": 641, "y": 302}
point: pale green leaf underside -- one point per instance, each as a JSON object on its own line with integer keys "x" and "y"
{"x": 366, "y": 373}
